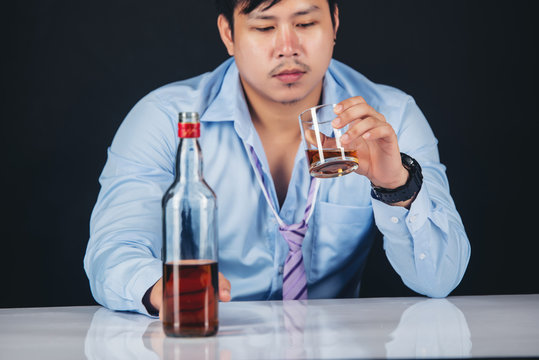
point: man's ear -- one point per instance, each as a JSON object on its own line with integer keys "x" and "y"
{"x": 226, "y": 34}
{"x": 336, "y": 22}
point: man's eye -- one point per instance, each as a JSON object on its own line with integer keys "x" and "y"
{"x": 304, "y": 25}
{"x": 264, "y": 29}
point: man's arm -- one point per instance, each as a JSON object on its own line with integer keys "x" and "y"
{"x": 426, "y": 244}
{"x": 424, "y": 237}
{"x": 123, "y": 257}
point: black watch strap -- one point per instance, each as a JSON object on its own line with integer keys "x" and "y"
{"x": 406, "y": 191}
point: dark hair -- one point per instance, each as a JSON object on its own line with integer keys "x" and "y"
{"x": 227, "y": 7}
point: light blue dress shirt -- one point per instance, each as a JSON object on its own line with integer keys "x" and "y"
{"x": 426, "y": 245}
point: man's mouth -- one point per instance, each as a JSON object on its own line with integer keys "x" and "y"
{"x": 289, "y": 75}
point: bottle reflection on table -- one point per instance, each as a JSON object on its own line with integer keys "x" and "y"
{"x": 170, "y": 348}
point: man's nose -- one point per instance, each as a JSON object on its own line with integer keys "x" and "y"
{"x": 287, "y": 43}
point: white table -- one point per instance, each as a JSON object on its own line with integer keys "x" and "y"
{"x": 456, "y": 327}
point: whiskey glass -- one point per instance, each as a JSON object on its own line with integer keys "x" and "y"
{"x": 326, "y": 156}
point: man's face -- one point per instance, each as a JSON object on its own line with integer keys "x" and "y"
{"x": 283, "y": 52}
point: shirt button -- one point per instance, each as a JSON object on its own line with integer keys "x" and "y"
{"x": 280, "y": 269}
{"x": 394, "y": 219}
{"x": 422, "y": 256}
{"x": 412, "y": 218}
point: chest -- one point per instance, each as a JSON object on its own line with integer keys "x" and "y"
{"x": 281, "y": 158}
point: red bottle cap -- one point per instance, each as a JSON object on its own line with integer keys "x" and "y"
{"x": 189, "y": 130}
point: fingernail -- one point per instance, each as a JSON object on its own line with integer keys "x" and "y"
{"x": 336, "y": 122}
{"x": 337, "y": 108}
{"x": 345, "y": 138}
{"x": 366, "y": 135}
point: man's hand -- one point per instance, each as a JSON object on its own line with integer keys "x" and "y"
{"x": 375, "y": 142}
{"x": 156, "y": 295}
{"x": 224, "y": 288}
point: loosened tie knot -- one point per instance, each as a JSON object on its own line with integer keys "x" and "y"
{"x": 294, "y": 235}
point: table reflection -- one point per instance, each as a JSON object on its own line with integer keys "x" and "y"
{"x": 431, "y": 328}
{"x": 294, "y": 330}
{"x": 117, "y": 335}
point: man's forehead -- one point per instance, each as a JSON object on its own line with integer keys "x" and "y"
{"x": 256, "y": 9}
{"x": 262, "y": 11}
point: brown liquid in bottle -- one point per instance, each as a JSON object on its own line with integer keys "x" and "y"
{"x": 190, "y": 298}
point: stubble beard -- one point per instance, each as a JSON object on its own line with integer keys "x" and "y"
{"x": 299, "y": 98}
{"x": 293, "y": 101}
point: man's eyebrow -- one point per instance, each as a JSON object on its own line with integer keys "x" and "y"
{"x": 260, "y": 14}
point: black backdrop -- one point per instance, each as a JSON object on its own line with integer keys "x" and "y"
{"x": 72, "y": 70}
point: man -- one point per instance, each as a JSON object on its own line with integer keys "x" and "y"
{"x": 249, "y": 106}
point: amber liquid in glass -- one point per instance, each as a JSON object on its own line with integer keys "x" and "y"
{"x": 190, "y": 298}
{"x": 334, "y": 164}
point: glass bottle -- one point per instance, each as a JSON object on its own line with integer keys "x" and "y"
{"x": 190, "y": 272}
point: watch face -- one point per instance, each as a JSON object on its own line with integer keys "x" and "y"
{"x": 407, "y": 161}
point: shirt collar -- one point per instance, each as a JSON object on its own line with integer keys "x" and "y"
{"x": 333, "y": 91}
{"x": 230, "y": 104}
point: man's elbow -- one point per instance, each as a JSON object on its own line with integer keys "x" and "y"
{"x": 440, "y": 285}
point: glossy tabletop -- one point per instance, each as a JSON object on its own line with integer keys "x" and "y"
{"x": 456, "y": 327}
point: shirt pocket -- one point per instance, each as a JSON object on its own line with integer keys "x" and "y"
{"x": 337, "y": 235}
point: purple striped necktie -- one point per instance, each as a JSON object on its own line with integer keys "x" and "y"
{"x": 294, "y": 276}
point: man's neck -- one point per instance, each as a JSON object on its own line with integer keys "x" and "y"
{"x": 274, "y": 117}
{"x": 279, "y": 131}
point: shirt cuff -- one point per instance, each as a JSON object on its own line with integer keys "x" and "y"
{"x": 146, "y": 277}
{"x": 397, "y": 219}
{"x": 148, "y": 304}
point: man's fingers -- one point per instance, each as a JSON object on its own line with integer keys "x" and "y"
{"x": 224, "y": 288}
{"x": 345, "y": 104}
{"x": 379, "y": 132}
{"x": 194, "y": 296}
{"x": 356, "y": 112}
{"x": 368, "y": 129}
{"x": 358, "y": 129}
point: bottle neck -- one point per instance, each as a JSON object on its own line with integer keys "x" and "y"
{"x": 189, "y": 160}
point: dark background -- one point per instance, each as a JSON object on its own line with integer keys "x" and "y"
{"x": 72, "y": 70}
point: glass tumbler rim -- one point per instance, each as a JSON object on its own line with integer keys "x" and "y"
{"x": 316, "y": 108}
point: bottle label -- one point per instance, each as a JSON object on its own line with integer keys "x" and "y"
{"x": 189, "y": 130}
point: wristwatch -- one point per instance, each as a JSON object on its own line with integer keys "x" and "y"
{"x": 406, "y": 191}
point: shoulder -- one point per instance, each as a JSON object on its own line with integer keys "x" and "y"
{"x": 152, "y": 123}
{"x": 193, "y": 94}
{"x": 357, "y": 84}
{"x": 388, "y": 100}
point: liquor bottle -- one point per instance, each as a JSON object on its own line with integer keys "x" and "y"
{"x": 190, "y": 273}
